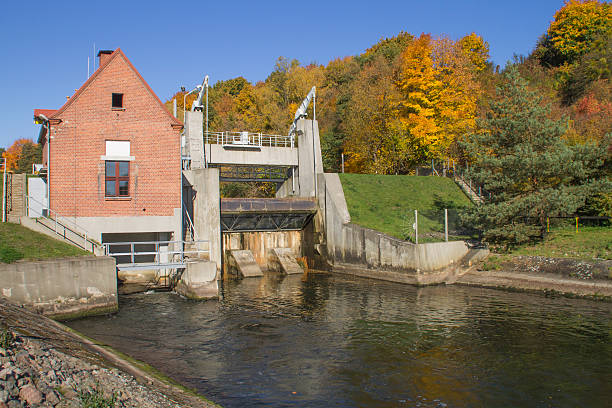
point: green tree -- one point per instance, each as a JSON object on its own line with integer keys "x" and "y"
{"x": 530, "y": 171}
{"x": 30, "y": 153}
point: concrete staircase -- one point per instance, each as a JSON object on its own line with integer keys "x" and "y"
{"x": 16, "y": 188}
{"x": 471, "y": 193}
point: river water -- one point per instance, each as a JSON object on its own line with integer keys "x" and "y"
{"x": 332, "y": 340}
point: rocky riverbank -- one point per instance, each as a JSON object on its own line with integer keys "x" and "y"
{"x": 564, "y": 276}
{"x": 43, "y": 364}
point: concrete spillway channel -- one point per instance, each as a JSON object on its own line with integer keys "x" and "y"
{"x": 264, "y": 233}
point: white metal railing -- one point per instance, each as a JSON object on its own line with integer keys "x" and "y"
{"x": 192, "y": 232}
{"x": 60, "y": 227}
{"x": 154, "y": 253}
{"x": 248, "y": 139}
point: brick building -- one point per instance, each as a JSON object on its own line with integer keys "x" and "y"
{"x": 113, "y": 162}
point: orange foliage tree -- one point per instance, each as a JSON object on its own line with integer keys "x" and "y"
{"x": 13, "y": 153}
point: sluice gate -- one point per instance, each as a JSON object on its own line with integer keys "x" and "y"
{"x": 266, "y": 214}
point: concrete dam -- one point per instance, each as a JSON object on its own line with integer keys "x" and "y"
{"x": 307, "y": 220}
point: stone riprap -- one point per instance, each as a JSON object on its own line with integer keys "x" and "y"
{"x": 43, "y": 364}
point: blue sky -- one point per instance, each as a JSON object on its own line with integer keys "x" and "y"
{"x": 45, "y": 45}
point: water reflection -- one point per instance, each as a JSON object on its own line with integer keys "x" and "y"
{"x": 328, "y": 340}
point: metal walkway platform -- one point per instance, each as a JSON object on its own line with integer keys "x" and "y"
{"x": 138, "y": 255}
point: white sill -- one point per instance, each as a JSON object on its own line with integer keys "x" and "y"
{"x": 118, "y": 198}
{"x": 117, "y": 158}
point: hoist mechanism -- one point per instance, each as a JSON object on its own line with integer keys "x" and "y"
{"x": 197, "y": 104}
{"x": 301, "y": 111}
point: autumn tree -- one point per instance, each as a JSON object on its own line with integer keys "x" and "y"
{"x": 476, "y": 50}
{"x": 334, "y": 98}
{"x": 19, "y": 162}
{"x": 521, "y": 158}
{"x": 574, "y": 30}
{"x": 373, "y": 144}
{"x": 438, "y": 96}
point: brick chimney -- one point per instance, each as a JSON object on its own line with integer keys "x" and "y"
{"x": 103, "y": 56}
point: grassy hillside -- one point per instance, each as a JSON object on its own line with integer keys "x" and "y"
{"x": 18, "y": 242}
{"x": 387, "y": 203}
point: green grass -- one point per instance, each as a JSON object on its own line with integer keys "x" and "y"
{"x": 387, "y": 203}
{"x": 20, "y": 243}
{"x": 587, "y": 243}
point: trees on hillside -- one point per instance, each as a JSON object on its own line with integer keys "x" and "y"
{"x": 530, "y": 171}
{"x": 576, "y": 28}
{"x": 21, "y": 155}
{"x": 403, "y": 101}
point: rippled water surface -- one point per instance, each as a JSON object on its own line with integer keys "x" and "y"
{"x": 331, "y": 340}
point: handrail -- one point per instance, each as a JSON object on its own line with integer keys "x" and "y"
{"x": 133, "y": 253}
{"x": 194, "y": 234}
{"x": 61, "y": 223}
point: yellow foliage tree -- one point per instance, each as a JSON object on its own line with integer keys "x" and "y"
{"x": 476, "y": 50}
{"x": 439, "y": 93}
{"x": 576, "y": 27}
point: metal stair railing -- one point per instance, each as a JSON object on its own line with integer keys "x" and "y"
{"x": 60, "y": 227}
{"x": 468, "y": 189}
{"x": 192, "y": 232}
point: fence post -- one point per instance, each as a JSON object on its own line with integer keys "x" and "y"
{"x": 446, "y": 225}
{"x": 547, "y": 224}
{"x": 576, "y": 225}
{"x": 416, "y": 227}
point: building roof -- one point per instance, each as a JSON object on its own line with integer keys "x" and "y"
{"x": 55, "y": 114}
{"x": 46, "y": 112}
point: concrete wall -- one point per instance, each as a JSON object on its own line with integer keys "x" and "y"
{"x": 259, "y": 243}
{"x": 195, "y": 138}
{"x": 264, "y": 156}
{"x": 96, "y": 226}
{"x": 310, "y": 162}
{"x": 63, "y": 288}
{"x": 365, "y": 252}
{"x": 310, "y": 159}
{"x": 206, "y": 208}
{"x": 37, "y": 189}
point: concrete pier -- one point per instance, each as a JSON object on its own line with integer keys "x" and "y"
{"x": 199, "y": 281}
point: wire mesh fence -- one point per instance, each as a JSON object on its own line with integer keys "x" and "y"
{"x": 435, "y": 226}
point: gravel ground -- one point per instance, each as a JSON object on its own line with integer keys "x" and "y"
{"x": 43, "y": 364}
{"x": 34, "y": 374}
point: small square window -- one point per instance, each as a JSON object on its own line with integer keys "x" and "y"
{"x": 117, "y": 100}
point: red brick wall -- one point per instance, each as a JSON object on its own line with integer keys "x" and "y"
{"x": 77, "y": 172}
